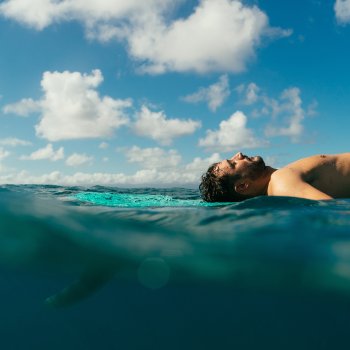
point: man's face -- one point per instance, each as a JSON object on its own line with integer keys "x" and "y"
{"x": 241, "y": 164}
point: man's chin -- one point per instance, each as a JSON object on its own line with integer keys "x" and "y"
{"x": 259, "y": 161}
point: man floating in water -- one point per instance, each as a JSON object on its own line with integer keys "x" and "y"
{"x": 241, "y": 177}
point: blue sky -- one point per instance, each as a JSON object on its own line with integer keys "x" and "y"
{"x": 139, "y": 93}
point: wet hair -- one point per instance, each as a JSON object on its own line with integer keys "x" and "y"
{"x": 214, "y": 188}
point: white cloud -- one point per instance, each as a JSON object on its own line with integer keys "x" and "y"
{"x": 41, "y": 13}
{"x": 22, "y": 108}
{"x": 199, "y": 165}
{"x": 3, "y": 153}
{"x": 175, "y": 174}
{"x": 103, "y": 145}
{"x": 214, "y": 95}
{"x": 46, "y": 153}
{"x": 77, "y": 159}
{"x": 71, "y": 108}
{"x": 142, "y": 177}
{"x": 223, "y": 37}
{"x": 153, "y": 158}
{"x": 342, "y": 11}
{"x": 13, "y": 142}
{"x": 250, "y": 92}
{"x": 36, "y": 13}
{"x": 224, "y": 34}
{"x": 158, "y": 127}
{"x": 233, "y": 133}
{"x": 286, "y": 111}
{"x": 145, "y": 177}
{"x": 289, "y": 106}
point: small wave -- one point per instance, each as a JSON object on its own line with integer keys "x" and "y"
{"x": 254, "y": 243}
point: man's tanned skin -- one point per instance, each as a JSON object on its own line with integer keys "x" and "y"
{"x": 317, "y": 177}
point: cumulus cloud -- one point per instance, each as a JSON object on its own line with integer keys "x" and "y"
{"x": 46, "y": 153}
{"x": 13, "y": 142}
{"x": 37, "y": 13}
{"x": 224, "y": 36}
{"x": 144, "y": 177}
{"x": 200, "y": 165}
{"x": 22, "y": 108}
{"x": 78, "y": 159}
{"x": 342, "y": 11}
{"x": 286, "y": 111}
{"x": 158, "y": 127}
{"x": 41, "y": 13}
{"x": 290, "y": 106}
{"x": 3, "y": 153}
{"x": 152, "y": 173}
{"x": 153, "y": 158}
{"x": 214, "y": 95}
{"x": 71, "y": 108}
{"x": 250, "y": 93}
{"x": 224, "y": 33}
{"x": 232, "y": 133}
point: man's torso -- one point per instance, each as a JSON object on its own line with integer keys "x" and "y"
{"x": 329, "y": 174}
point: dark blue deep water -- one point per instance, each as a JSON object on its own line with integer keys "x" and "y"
{"x": 108, "y": 268}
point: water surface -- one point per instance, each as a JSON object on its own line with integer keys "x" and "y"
{"x": 158, "y": 268}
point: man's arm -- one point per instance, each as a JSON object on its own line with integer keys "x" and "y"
{"x": 291, "y": 185}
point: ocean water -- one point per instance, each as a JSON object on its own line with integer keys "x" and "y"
{"x": 109, "y": 268}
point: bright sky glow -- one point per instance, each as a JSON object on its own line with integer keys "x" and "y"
{"x": 150, "y": 93}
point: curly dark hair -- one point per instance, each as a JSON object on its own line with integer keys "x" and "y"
{"x": 216, "y": 188}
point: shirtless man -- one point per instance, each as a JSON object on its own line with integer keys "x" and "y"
{"x": 240, "y": 177}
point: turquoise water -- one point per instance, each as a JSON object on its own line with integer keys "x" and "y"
{"x": 139, "y": 200}
{"x": 159, "y": 269}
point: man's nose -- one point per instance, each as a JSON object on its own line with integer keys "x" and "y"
{"x": 238, "y": 155}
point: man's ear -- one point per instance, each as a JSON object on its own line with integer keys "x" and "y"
{"x": 242, "y": 187}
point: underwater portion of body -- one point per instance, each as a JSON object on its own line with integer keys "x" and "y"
{"x": 162, "y": 264}
{"x": 77, "y": 228}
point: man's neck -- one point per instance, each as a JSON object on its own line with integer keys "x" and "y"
{"x": 266, "y": 179}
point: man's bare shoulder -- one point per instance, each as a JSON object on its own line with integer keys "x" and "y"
{"x": 294, "y": 172}
{"x": 308, "y": 177}
{"x": 282, "y": 180}
{"x": 290, "y": 183}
